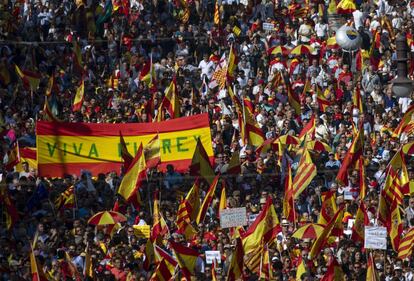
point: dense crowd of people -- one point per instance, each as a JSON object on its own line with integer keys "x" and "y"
{"x": 186, "y": 40}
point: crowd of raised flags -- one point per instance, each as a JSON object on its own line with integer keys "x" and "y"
{"x": 278, "y": 110}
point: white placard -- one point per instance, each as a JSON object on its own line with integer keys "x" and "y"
{"x": 211, "y": 255}
{"x": 348, "y": 194}
{"x": 233, "y": 217}
{"x": 268, "y": 26}
{"x": 375, "y": 237}
{"x": 350, "y": 223}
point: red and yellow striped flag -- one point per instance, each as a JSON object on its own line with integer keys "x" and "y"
{"x": 200, "y": 163}
{"x": 334, "y": 271}
{"x": 322, "y": 239}
{"x": 263, "y": 230}
{"x": 213, "y": 271}
{"x": 308, "y": 130}
{"x": 171, "y": 103}
{"x": 362, "y": 178}
{"x": 37, "y": 271}
{"x": 288, "y": 202}
{"x": 395, "y": 226}
{"x": 406, "y": 124}
{"x": 77, "y": 57}
{"x": 207, "y": 200}
{"x": 234, "y": 167}
{"x": 88, "y": 269}
{"x": 266, "y": 272}
{"x": 236, "y": 263}
{"x": 79, "y": 97}
{"x": 134, "y": 176}
{"x": 126, "y": 156}
{"x": 361, "y": 220}
{"x": 223, "y": 199}
{"x": 31, "y": 80}
{"x": 232, "y": 64}
{"x": 216, "y": 13}
{"x": 353, "y": 154}
{"x": 397, "y": 179}
{"x": 253, "y": 134}
{"x": 165, "y": 268}
{"x": 372, "y": 274}
{"x": 9, "y": 210}
{"x": 51, "y": 86}
{"x": 159, "y": 226}
{"x": 304, "y": 174}
{"x": 406, "y": 245}
{"x": 186, "y": 258}
{"x": 66, "y": 200}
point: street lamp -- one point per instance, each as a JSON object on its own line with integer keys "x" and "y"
{"x": 402, "y": 86}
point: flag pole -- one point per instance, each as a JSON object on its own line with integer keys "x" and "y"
{"x": 76, "y": 202}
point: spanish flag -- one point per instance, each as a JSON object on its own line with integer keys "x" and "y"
{"x": 30, "y": 79}
{"x": 253, "y": 134}
{"x": 66, "y": 199}
{"x": 166, "y": 265}
{"x": 361, "y": 220}
{"x": 51, "y": 86}
{"x": 88, "y": 269}
{"x": 149, "y": 254}
{"x": 357, "y": 99}
{"x": 192, "y": 200}
{"x": 200, "y": 164}
{"x": 301, "y": 268}
{"x": 77, "y": 58}
{"x": 406, "y": 245}
{"x": 126, "y": 156}
{"x": 147, "y": 74}
{"x": 223, "y": 199}
{"x": 293, "y": 99}
{"x": 10, "y": 211}
{"x": 395, "y": 226}
{"x": 152, "y": 153}
{"x": 266, "y": 272}
{"x": 29, "y": 155}
{"x": 304, "y": 174}
{"x": 232, "y": 64}
{"x": 309, "y": 129}
{"x": 134, "y": 176}
{"x": 346, "y": 7}
{"x": 13, "y": 156}
{"x": 372, "y": 274}
{"x": 328, "y": 208}
{"x": 263, "y": 230}
{"x": 323, "y": 237}
{"x": 171, "y": 103}
{"x": 48, "y": 112}
{"x": 187, "y": 230}
{"x": 79, "y": 97}
{"x": 236, "y": 263}
{"x": 37, "y": 271}
{"x": 186, "y": 258}
{"x": 334, "y": 271}
{"x": 207, "y": 200}
{"x": 406, "y": 124}
{"x": 159, "y": 226}
{"x": 354, "y": 152}
{"x": 234, "y": 167}
{"x": 288, "y": 202}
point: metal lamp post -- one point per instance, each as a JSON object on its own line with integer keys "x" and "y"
{"x": 402, "y": 86}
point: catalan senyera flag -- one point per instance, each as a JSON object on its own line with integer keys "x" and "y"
{"x": 253, "y": 134}
{"x": 234, "y": 167}
{"x": 231, "y": 64}
{"x": 334, "y": 271}
{"x": 152, "y": 153}
{"x": 28, "y": 155}
{"x": 31, "y": 80}
{"x": 187, "y": 230}
{"x": 183, "y": 218}
{"x": 308, "y": 130}
{"x": 236, "y": 263}
{"x": 304, "y": 174}
{"x": 252, "y": 260}
{"x": 10, "y": 211}
{"x": 328, "y": 208}
{"x": 37, "y": 271}
{"x": 397, "y": 179}
{"x": 406, "y": 245}
{"x": 159, "y": 226}
{"x": 48, "y": 112}
{"x": 68, "y": 148}
{"x": 264, "y": 229}
{"x": 361, "y": 220}
{"x": 406, "y": 124}
{"x": 186, "y": 258}
{"x": 322, "y": 239}
{"x": 200, "y": 164}
{"x": 134, "y": 176}
{"x": 395, "y": 226}
{"x": 207, "y": 200}
{"x": 66, "y": 199}
{"x": 288, "y": 202}
{"x": 192, "y": 200}
{"x": 79, "y": 97}
{"x": 354, "y": 152}
{"x": 372, "y": 274}
{"x": 171, "y": 103}
{"x": 126, "y": 156}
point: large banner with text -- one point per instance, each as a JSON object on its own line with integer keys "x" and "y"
{"x": 69, "y": 148}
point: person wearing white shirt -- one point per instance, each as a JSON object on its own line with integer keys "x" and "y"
{"x": 321, "y": 29}
{"x": 359, "y": 18}
{"x": 404, "y": 103}
{"x": 206, "y": 66}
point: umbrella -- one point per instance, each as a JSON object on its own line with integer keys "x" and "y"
{"x": 318, "y": 145}
{"x": 310, "y": 230}
{"x": 278, "y": 50}
{"x": 301, "y": 50}
{"x": 106, "y": 217}
{"x": 346, "y": 7}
